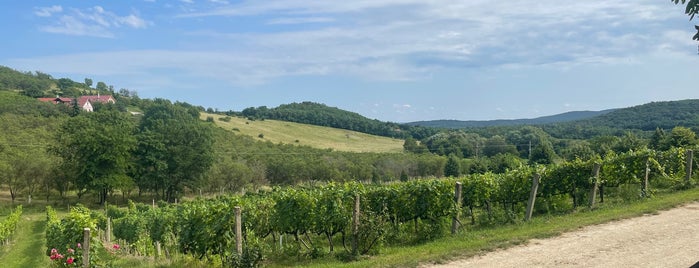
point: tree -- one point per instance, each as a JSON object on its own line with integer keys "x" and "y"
{"x": 101, "y": 86}
{"x": 691, "y": 10}
{"x": 659, "y": 140}
{"x": 88, "y": 82}
{"x": 411, "y": 145}
{"x": 96, "y": 150}
{"x": 498, "y": 145}
{"x": 629, "y": 142}
{"x": 65, "y": 83}
{"x": 543, "y": 153}
{"x": 24, "y": 163}
{"x": 682, "y": 137}
{"x": 174, "y": 148}
{"x": 452, "y": 168}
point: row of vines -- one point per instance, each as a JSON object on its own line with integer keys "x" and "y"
{"x": 320, "y": 220}
{"x": 9, "y": 224}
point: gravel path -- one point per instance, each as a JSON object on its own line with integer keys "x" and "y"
{"x": 668, "y": 239}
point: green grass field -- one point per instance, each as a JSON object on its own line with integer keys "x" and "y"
{"x": 310, "y": 135}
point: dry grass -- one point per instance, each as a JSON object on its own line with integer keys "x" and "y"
{"x": 309, "y": 135}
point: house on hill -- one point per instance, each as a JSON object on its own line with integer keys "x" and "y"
{"x": 57, "y": 100}
{"x": 84, "y": 102}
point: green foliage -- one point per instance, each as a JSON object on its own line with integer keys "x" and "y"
{"x": 96, "y": 149}
{"x": 691, "y": 11}
{"x": 25, "y": 165}
{"x": 498, "y": 145}
{"x": 9, "y": 224}
{"x": 13, "y": 103}
{"x": 31, "y": 84}
{"x": 174, "y": 148}
{"x": 68, "y": 232}
{"x": 459, "y": 143}
{"x": 322, "y": 115}
{"x": 452, "y": 167}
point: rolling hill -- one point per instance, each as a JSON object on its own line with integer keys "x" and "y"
{"x": 310, "y": 135}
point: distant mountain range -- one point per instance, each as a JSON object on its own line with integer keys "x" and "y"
{"x": 558, "y": 118}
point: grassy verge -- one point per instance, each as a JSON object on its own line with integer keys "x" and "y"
{"x": 474, "y": 242}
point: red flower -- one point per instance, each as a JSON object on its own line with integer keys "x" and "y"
{"x": 116, "y": 246}
{"x": 70, "y": 260}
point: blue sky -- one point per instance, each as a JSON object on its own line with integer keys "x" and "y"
{"x": 392, "y": 60}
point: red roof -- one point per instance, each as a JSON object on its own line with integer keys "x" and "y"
{"x": 95, "y": 98}
{"x": 56, "y": 100}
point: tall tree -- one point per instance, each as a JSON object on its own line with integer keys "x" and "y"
{"x": 174, "y": 148}
{"x": 96, "y": 149}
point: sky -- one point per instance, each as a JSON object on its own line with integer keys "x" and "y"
{"x": 391, "y": 60}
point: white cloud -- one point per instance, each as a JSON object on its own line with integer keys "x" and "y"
{"x": 47, "y": 11}
{"x": 71, "y": 25}
{"x": 395, "y": 40}
{"x": 95, "y": 21}
{"x": 419, "y": 35}
{"x": 303, "y": 20}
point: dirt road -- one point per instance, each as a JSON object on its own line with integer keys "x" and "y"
{"x": 668, "y": 239}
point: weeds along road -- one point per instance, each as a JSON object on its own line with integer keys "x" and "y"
{"x": 667, "y": 239}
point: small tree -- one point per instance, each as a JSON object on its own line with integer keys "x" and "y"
{"x": 452, "y": 167}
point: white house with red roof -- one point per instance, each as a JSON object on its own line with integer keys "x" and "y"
{"x": 85, "y": 102}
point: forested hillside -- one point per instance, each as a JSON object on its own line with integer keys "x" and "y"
{"x": 31, "y": 84}
{"x": 648, "y": 117}
{"x": 322, "y": 115}
{"x": 564, "y": 117}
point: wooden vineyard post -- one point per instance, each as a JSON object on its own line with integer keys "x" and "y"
{"x": 457, "y": 199}
{"x": 595, "y": 183}
{"x": 355, "y": 225}
{"x": 644, "y": 186}
{"x": 108, "y": 235}
{"x": 238, "y": 231}
{"x": 86, "y": 247}
{"x": 688, "y": 167}
{"x": 532, "y": 197}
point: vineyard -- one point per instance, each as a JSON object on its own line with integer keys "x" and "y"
{"x": 347, "y": 220}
